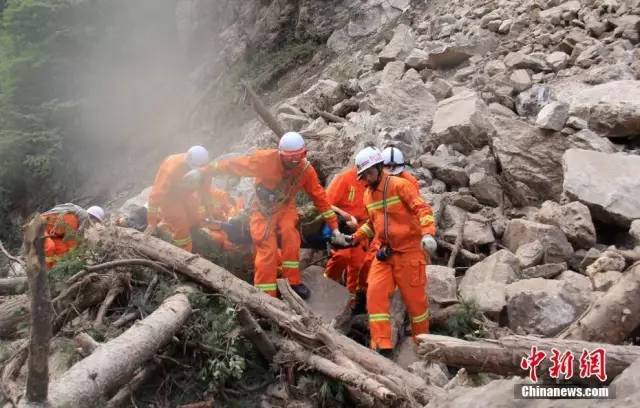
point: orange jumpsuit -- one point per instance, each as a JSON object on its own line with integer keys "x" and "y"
{"x": 375, "y": 245}
{"x": 222, "y": 208}
{"x": 266, "y": 220}
{"x": 409, "y": 218}
{"x": 347, "y": 193}
{"x": 174, "y": 203}
{"x": 62, "y": 226}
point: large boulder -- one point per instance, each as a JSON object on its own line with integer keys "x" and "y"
{"x": 477, "y": 229}
{"x": 485, "y": 282}
{"x": 405, "y": 102}
{"x": 612, "y": 109}
{"x": 447, "y": 56}
{"x": 541, "y": 306}
{"x": 607, "y": 183}
{"x": 530, "y": 156}
{"x": 321, "y": 96}
{"x": 589, "y": 140}
{"x": 401, "y": 44}
{"x": 328, "y": 298}
{"x": 441, "y": 287}
{"x": 531, "y": 101}
{"x": 574, "y": 219}
{"x": 486, "y": 188}
{"x": 520, "y": 232}
{"x": 461, "y": 121}
{"x": 530, "y": 254}
{"x": 553, "y": 116}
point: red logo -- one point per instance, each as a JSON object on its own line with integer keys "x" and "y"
{"x": 591, "y": 363}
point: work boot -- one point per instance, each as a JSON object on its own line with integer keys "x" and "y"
{"x": 388, "y": 353}
{"x": 359, "y": 305}
{"x": 302, "y": 290}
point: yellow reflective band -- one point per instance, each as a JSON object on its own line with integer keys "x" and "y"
{"x": 421, "y": 318}
{"x": 267, "y": 287}
{"x": 328, "y": 214}
{"x": 290, "y": 264}
{"x": 214, "y": 164}
{"x": 368, "y": 231}
{"x": 183, "y": 241}
{"x": 380, "y": 204}
{"x": 352, "y": 193}
{"x": 152, "y": 210}
{"x": 426, "y": 220}
{"x": 52, "y": 258}
{"x": 379, "y": 317}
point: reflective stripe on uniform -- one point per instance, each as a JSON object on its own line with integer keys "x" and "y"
{"x": 420, "y": 318}
{"x": 53, "y": 258}
{"x": 367, "y": 230}
{"x": 352, "y": 193}
{"x": 427, "y": 219}
{"x": 290, "y": 265}
{"x": 267, "y": 287}
{"x": 379, "y": 317}
{"x": 328, "y": 214}
{"x": 152, "y": 210}
{"x": 182, "y": 241}
{"x": 380, "y": 204}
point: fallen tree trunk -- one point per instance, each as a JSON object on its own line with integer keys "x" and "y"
{"x": 13, "y": 312}
{"x": 503, "y": 356}
{"x": 93, "y": 378}
{"x": 470, "y": 256}
{"x": 309, "y": 332}
{"x": 13, "y": 286}
{"x": 612, "y": 317}
{"x": 123, "y": 397}
{"x": 41, "y": 313}
{"x": 263, "y": 112}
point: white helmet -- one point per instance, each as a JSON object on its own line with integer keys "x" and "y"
{"x": 393, "y": 158}
{"x": 367, "y": 158}
{"x": 291, "y": 142}
{"x": 96, "y": 212}
{"x": 197, "y": 156}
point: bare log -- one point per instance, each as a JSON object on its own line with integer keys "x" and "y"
{"x": 263, "y": 112}
{"x": 467, "y": 254}
{"x": 104, "y": 371}
{"x": 254, "y": 332}
{"x": 118, "y": 263}
{"x": 341, "y": 373}
{"x": 123, "y": 397}
{"x": 11, "y": 257}
{"x": 41, "y": 312}
{"x": 13, "y": 286}
{"x": 114, "y": 292}
{"x": 612, "y": 317}
{"x": 86, "y": 344}
{"x": 305, "y": 331}
{"x": 125, "y": 319}
{"x": 331, "y": 117}
{"x": 458, "y": 244}
{"x": 503, "y": 356}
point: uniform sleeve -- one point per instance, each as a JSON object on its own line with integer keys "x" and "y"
{"x": 336, "y": 190}
{"x": 205, "y": 195}
{"x": 165, "y": 179}
{"x": 419, "y": 207}
{"x": 312, "y": 187}
{"x": 365, "y": 232}
{"x": 244, "y": 166}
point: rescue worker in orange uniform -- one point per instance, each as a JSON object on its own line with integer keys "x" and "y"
{"x": 223, "y": 208}
{"x": 403, "y": 223}
{"x": 176, "y": 194}
{"x": 346, "y": 195}
{"x": 64, "y": 224}
{"x": 279, "y": 175}
{"x": 394, "y": 164}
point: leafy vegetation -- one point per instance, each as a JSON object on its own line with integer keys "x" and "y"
{"x": 465, "y": 322}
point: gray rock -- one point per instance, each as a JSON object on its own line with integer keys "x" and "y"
{"x": 486, "y": 189}
{"x": 417, "y": 59}
{"x": 440, "y": 88}
{"x": 574, "y": 219}
{"x": 558, "y": 60}
{"x": 437, "y": 187}
{"x": 392, "y": 72}
{"x": 433, "y": 373}
{"x": 505, "y": 26}
{"x": 590, "y": 257}
{"x": 520, "y": 80}
{"x": 442, "y": 287}
{"x": 447, "y": 56}
{"x": 329, "y": 297}
{"x": 555, "y": 15}
{"x": 467, "y": 202}
{"x": 520, "y": 232}
{"x": 607, "y": 183}
{"x": 531, "y": 101}
{"x": 477, "y": 229}
{"x": 495, "y": 67}
{"x": 530, "y": 156}
{"x": 481, "y": 161}
{"x": 452, "y": 175}
{"x": 611, "y": 109}
{"x": 530, "y": 254}
{"x": 588, "y": 140}
{"x": 322, "y": 95}
{"x": 461, "y": 121}
{"x": 628, "y": 27}
{"x": 540, "y": 306}
{"x": 546, "y": 271}
{"x": 577, "y": 123}
{"x": 577, "y": 288}
{"x": 293, "y": 122}
{"x": 553, "y": 116}
{"x": 401, "y": 44}
{"x": 518, "y": 60}
{"x": 634, "y": 231}
{"x": 485, "y": 282}
{"x": 339, "y": 40}
{"x": 499, "y": 109}
{"x": 603, "y": 281}
{"x": 608, "y": 261}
